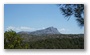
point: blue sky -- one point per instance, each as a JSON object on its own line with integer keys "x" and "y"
{"x": 31, "y": 17}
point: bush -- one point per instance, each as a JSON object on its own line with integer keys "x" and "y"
{"x": 13, "y": 41}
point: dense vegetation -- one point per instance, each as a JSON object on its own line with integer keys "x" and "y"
{"x": 13, "y": 40}
{"x": 56, "y": 43}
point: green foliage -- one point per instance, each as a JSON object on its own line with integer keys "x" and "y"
{"x": 13, "y": 41}
{"x": 57, "y": 43}
{"x": 76, "y": 10}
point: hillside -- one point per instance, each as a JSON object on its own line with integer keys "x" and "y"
{"x": 13, "y": 40}
{"x": 55, "y": 41}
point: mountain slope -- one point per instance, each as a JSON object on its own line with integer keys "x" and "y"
{"x": 49, "y": 30}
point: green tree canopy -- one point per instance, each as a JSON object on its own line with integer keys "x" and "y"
{"x": 77, "y": 10}
{"x": 13, "y": 41}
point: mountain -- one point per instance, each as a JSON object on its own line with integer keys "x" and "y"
{"x": 49, "y": 30}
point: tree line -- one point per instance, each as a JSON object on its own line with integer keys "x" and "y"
{"x": 12, "y": 40}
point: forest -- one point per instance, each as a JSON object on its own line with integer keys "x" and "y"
{"x": 13, "y": 40}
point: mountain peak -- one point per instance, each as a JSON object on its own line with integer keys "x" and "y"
{"x": 51, "y": 27}
{"x": 49, "y": 30}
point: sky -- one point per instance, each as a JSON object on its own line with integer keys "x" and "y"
{"x": 31, "y": 17}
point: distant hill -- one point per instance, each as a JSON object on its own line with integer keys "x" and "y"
{"x": 49, "y": 30}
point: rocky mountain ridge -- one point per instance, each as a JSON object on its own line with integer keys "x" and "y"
{"x": 49, "y": 30}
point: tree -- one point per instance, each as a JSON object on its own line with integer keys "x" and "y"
{"x": 13, "y": 41}
{"x": 77, "y": 10}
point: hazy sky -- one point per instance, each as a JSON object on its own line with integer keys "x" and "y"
{"x": 31, "y": 17}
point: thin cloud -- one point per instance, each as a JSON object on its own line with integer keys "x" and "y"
{"x": 10, "y": 27}
{"x": 63, "y": 30}
{"x": 23, "y": 28}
